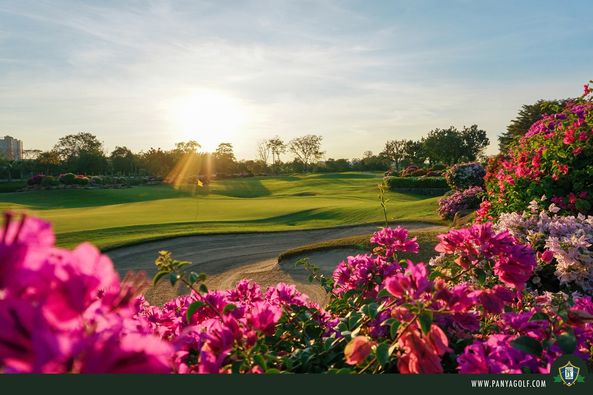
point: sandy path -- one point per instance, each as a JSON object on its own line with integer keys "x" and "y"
{"x": 228, "y": 258}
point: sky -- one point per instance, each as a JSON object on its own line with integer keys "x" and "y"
{"x": 147, "y": 74}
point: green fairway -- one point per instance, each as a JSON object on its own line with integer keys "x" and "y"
{"x": 115, "y": 217}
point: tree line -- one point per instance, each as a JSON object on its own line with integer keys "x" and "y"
{"x": 84, "y": 153}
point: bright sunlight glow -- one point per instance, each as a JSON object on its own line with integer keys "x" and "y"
{"x": 209, "y": 117}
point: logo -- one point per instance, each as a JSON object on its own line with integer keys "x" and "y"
{"x": 569, "y": 374}
{"x": 570, "y": 369}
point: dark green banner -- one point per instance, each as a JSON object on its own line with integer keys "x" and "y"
{"x": 292, "y": 384}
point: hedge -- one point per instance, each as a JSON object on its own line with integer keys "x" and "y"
{"x": 416, "y": 183}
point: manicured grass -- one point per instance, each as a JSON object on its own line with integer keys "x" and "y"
{"x": 426, "y": 239}
{"x": 115, "y": 217}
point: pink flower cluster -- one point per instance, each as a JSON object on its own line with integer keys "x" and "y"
{"x": 224, "y": 322}
{"x": 566, "y": 241}
{"x": 67, "y": 311}
{"x": 480, "y": 247}
{"x": 551, "y": 158}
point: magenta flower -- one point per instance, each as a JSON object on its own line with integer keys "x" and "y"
{"x": 263, "y": 317}
{"x": 412, "y": 283}
{"x": 392, "y": 240}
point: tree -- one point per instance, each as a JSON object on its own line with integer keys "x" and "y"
{"x": 527, "y": 116}
{"x": 277, "y": 147}
{"x": 157, "y": 162}
{"x": 474, "y": 142}
{"x": 414, "y": 152}
{"x": 188, "y": 147}
{"x": 306, "y": 149}
{"x": 82, "y": 152}
{"x": 48, "y": 161}
{"x": 263, "y": 151}
{"x": 31, "y": 154}
{"x": 225, "y": 158}
{"x": 89, "y": 162}
{"x": 122, "y": 160}
{"x": 444, "y": 146}
{"x": 394, "y": 151}
{"x": 72, "y": 145}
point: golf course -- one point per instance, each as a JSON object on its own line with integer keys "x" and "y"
{"x": 112, "y": 218}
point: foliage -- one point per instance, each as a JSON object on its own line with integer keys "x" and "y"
{"x": 395, "y": 183}
{"x": 527, "y": 116}
{"x": 470, "y": 311}
{"x": 394, "y": 151}
{"x": 450, "y": 146}
{"x": 554, "y": 158}
{"x": 306, "y": 149}
{"x": 460, "y": 201}
{"x": 68, "y": 179}
{"x": 465, "y": 175}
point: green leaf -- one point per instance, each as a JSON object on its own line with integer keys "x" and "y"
{"x": 480, "y": 275}
{"x": 192, "y": 308}
{"x": 393, "y": 328}
{"x": 343, "y": 371}
{"x": 384, "y": 293}
{"x": 229, "y": 307}
{"x": 173, "y": 277}
{"x": 157, "y": 277}
{"x": 370, "y": 309}
{"x": 528, "y": 345}
{"x": 259, "y": 359}
{"x": 583, "y": 206}
{"x": 273, "y": 371}
{"x": 539, "y": 316}
{"x": 567, "y": 342}
{"x": 193, "y": 277}
{"x": 383, "y": 353}
{"x": 203, "y": 288}
{"x": 425, "y": 321}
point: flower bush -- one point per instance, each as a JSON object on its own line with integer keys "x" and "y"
{"x": 471, "y": 310}
{"x": 553, "y": 158}
{"x": 564, "y": 245}
{"x": 459, "y": 201}
{"x": 465, "y": 175}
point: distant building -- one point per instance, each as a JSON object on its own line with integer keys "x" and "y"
{"x": 11, "y": 148}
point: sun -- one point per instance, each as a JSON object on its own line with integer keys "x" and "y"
{"x": 209, "y": 117}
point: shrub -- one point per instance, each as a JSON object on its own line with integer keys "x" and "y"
{"x": 81, "y": 180}
{"x": 565, "y": 256}
{"x": 35, "y": 180}
{"x": 553, "y": 159}
{"x": 439, "y": 167}
{"x": 415, "y": 182}
{"x": 465, "y": 175}
{"x": 68, "y": 179}
{"x": 408, "y": 170}
{"x": 418, "y": 173}
{"x": 96, "y": 180}
{"x": 49, "y": 181}
{"x": 458, "y": 201}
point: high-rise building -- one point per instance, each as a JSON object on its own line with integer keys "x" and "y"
{"x": 11, "y": 148}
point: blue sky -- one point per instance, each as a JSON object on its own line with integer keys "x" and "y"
{"x": 150, "y": 73}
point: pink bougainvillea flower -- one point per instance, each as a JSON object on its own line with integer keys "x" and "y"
{"x": 421, "y": 353}
{"x": 263, "y": 317}
{"x": 392, "y": 240}
{"x": 413, "y": 282}
{"x": 357, "y": 350}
